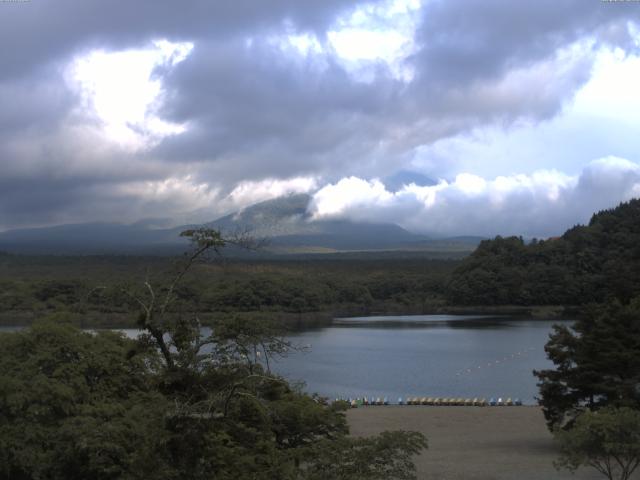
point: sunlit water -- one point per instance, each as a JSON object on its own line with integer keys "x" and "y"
{"x": 427, "y": 355}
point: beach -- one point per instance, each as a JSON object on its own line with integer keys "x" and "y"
{"x": 473, "y": 443}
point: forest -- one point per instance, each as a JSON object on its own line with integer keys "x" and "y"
{"x": 310, "y": 289}
{"x": 587, "y": 264}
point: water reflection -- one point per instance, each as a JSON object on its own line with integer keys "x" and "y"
{"x": 426, "y": 321}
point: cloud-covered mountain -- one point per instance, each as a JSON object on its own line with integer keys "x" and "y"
{"x": 360, "y": 214}
{"x": 541, "y": 204}
{"x": 284, "y": 222}
{"x": 288, "y": 225}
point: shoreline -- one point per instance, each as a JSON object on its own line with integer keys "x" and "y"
{"x": 298, "y": 321}
{"x": 472, "y": 443}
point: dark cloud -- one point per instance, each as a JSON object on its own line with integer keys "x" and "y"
{"x": 480, "y": 40}
{"x": 264, "y": 113}
{"x": 268, "y": 114}
{"x": 36, "y": 201}
{"x": 40, "y": 101}
{"x": 254, "y": 111}
{"x": 496, "y": 61}
{"x": 38, "y": 31}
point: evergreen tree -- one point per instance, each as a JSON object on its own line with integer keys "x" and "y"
{"x": 597, "y": 363}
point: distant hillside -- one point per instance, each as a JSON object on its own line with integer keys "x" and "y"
{"x": 93, "y": 238}
{"x": 587, "y": 264}
{"x": 281, "y": 216}
{"x": 405, "y": 177}
{"x": 287, "y": 223}
{"x": 284, "y": 221}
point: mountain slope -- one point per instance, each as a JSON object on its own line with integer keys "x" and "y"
{"x": 284, "y": 221}
{"x": 287, "y": 223}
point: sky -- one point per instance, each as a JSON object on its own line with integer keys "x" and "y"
{"x": 524, "y": 115}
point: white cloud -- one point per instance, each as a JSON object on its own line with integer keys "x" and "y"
{"x": 600, "y": 120}
{"x": 119, "y": 88}
{"x": 249, "y": 192}
{"x": 173, "y": 196}
{"x": 189, "y": 200}
{"x": 373, "y": 34}
{"x": 540, "y": 204}
{"x": 369, "y": 36}
{"x": 351, "y": 192}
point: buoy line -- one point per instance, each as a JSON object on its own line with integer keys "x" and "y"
{"x": 496, "y": 362}
{"x": 432, "y": 401}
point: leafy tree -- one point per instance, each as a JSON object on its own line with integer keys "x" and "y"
{"x": 73, "y": 405}
{"x": 178, "y": 402}
{"x": 607, "y": 440}
{"x": 388, "y": 455}
{"x": 597, "y": 363}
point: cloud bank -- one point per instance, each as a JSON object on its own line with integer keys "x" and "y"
{"x": 119, "y": 110}
{"x": 542, "y": 204}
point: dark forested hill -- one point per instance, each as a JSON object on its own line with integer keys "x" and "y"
{"x": 587, "y": 264}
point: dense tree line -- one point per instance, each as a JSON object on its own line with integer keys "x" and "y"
{"x": 93, "y": 289}
{"x": 589, "y": 263}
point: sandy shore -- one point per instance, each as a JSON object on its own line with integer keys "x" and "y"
{"x": 473, "y": 443}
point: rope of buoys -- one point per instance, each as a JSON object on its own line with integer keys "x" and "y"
{"x": 495, "y": 362}
{"x": 433, "y": 401}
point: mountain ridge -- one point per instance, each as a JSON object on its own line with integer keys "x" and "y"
{"x": 285, "y": 221}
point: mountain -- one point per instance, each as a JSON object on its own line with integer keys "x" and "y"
{"x": 401, "y": 178}
{"x": 283, "y": 221}
{"x": 286, "y": 222}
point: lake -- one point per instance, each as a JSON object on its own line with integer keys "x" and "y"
{"x": 425, "y": 356}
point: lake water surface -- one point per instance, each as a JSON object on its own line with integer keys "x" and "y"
{"x": 429, "y": 355}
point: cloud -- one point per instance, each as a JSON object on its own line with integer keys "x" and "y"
{"x": 182, "y": 199}
{"x": 247, "y": 193}
{"x": 44, "y": 31}
{"x": 270, "y": 95}
{"x": 542, "y": 204}
{"x": 308, "y": 112}
{"x": 482, "y": 41}
{"x": 119, "y": 89}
